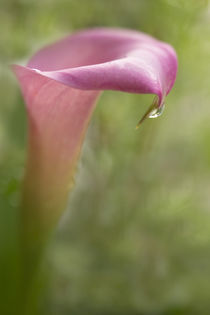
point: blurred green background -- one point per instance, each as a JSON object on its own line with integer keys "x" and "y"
{"x": 136, "y": 237}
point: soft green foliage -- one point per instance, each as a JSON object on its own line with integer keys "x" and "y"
{"x": 136, "y": 238}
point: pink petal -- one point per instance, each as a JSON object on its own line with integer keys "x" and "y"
{"x": 104, "y": 59}
{"x": 60, "y": 86}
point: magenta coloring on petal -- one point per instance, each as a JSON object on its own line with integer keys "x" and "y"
{"x": 60, "y": 86}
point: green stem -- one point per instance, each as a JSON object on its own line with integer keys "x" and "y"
{"x": 33, "y": 242}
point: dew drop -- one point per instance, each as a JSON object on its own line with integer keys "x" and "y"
{"x": 157, "y": 112}
{"x": 153, "y": 111}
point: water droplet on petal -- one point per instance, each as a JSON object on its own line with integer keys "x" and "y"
{"x": 153, "y": 111}
{"x": 156, "y": 112}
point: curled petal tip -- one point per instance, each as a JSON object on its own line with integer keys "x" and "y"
{"x": 155, "y": 110}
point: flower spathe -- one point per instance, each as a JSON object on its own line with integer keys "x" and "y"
{"x": 60, "y": 86}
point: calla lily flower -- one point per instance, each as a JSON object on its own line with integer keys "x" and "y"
{"x": 61, "y": 84}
